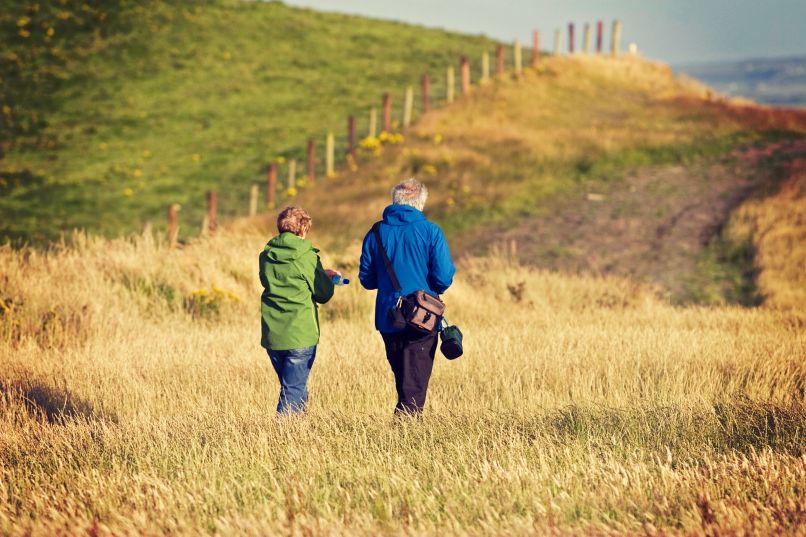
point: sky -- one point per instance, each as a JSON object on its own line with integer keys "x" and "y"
{"x": 675, "y": 31}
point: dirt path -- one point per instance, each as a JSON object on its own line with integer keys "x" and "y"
{"x": 651, "y": 226}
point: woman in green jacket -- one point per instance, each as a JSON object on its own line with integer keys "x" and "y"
{"x": 294, "y": 283}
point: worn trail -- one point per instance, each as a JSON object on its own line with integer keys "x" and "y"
{"x": 651, "y": 225}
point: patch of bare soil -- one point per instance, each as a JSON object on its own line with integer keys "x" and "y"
{"x": 651, "y": 226}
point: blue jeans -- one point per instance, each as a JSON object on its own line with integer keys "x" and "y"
{"x": 293, "y": 367}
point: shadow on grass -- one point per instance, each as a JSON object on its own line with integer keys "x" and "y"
{"x": 727, "y": 272}
{"x": 738, "y": 425}
{"x": 53, "y": 404}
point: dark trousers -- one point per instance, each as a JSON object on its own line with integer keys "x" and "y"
{"x": 411, "y": 355}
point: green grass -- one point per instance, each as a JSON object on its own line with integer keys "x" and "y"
{"x": 726, "y": 273}
{"x": 531, "y": 196}
{"x": 172, "y": 101}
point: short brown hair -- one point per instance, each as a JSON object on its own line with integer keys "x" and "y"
{"x": 294, "y": 220}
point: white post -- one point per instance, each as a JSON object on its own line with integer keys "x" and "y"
{"x": 451, "y": 82}
{"x": 557, "y": 42}
{"x": 616, "y": 44}
{"x": 329, "y": 150}
{"x": 518, "y": 57}
{"x": 373, "y": 122}
{"x": 253, "y": 194}
{"x": 292, "y": 173}
{"x": 586, "y": 42}
{"x": 408, "y": 106}
{"x": 485, "y": 66}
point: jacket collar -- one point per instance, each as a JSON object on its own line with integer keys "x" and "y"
{"x": 399, "y": 215}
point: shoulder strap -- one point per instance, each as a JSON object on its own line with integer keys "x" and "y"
{"x": 376, "y": 229}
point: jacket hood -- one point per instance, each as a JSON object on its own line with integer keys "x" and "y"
{"x": 400, "y": 215}
{"x": 287, "y": 247}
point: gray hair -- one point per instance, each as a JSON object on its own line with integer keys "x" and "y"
{"x": 410, "y": 192}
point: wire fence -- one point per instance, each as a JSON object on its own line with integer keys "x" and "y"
{"x": 332, "y": 149}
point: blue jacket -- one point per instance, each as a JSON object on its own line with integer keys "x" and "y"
{"x": 419, "y": 254}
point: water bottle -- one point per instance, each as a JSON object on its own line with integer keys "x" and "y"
{"x": 338, "y": 279}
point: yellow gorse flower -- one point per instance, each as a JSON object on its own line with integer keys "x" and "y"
{"x": 370, "y": 143}
{"x": 391, "y": 138}
{"x": 429, "y": 169}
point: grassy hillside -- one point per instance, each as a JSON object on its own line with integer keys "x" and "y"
{"x": 588, "y": 164}
{"x": 153, "y": 103}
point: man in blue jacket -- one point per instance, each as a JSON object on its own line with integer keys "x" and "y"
{"x": 422, "y": 261}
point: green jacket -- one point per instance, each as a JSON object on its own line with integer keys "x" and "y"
{"x": 293, "y": 283}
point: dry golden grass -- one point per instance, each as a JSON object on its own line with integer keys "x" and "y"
{"x": 132, "y": 403}
{"x": 776, "y": 225}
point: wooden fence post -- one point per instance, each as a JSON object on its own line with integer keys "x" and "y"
{"x": 464, "y": 70}
{"x": 557, "y": 42}
{"x": 485, "y": 66}
{"x": 271, "y": 185}
{"x": 586, "y": 39}
{"x": 351, "y": 135}
{"x": 173, "y": 225}
{"x": 408, "y": 106}
{"x": 518, "y": 57}
{"x": 599, "y": 36}
{"x": 450, "y": 84}
{"x": 373, "y": 122}
{"x": 616, "y": 44}
{"x": 212, "y": 211}
{"x": 425, "y": 89}
{"x": 499, "y": 61}
{"x": 535, "y": 48}
{"x": 292, "y": 174}
{"x": 387, "y": 112}
{"x": 254, "y": 192}
{"x": 310, "y": 153}
{"x": 330, "y": 149}
{"x": 570, "y": 38}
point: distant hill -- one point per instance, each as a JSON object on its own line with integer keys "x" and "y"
{"x": 775, "y": 81}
